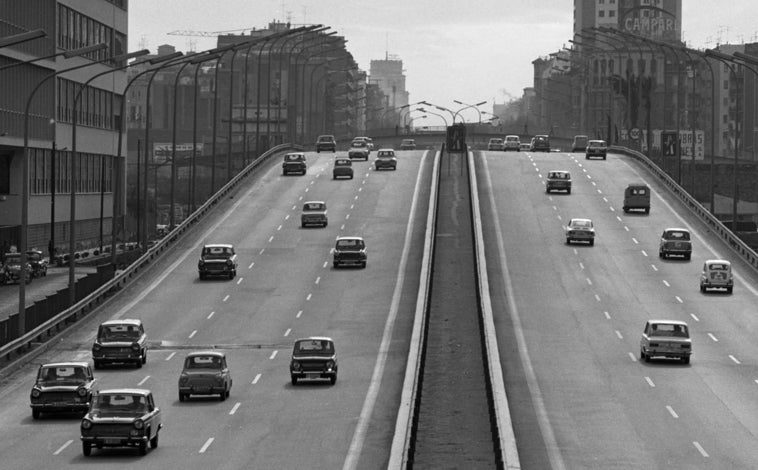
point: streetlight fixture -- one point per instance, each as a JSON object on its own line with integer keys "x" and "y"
{"x": 466, "y": 106}
{"x": 436, "y": 114}
{"x": 14, "y": 39}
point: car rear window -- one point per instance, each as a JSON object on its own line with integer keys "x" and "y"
{"x": 718, "y": 267}
{"x": 677, "y": 235}
{"x": 665, "y": 329}
{"x": 313, "y": 206}
{"x": 314, "y": 346}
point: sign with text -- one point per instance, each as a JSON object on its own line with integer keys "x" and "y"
{"x": 162, "y": 152}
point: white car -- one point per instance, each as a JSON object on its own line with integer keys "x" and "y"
{"x": 512, "y": 142}
{"x": 581, "y": 230}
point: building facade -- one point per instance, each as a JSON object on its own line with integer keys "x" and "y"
{"x": 389, "y": 76}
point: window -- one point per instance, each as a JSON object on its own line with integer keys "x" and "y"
{"x": 726, "y": 84}
{"x": 611, "y": 13}
{"x": 601, "y": 14}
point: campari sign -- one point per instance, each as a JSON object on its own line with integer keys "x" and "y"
{"x": 656, "y": 19}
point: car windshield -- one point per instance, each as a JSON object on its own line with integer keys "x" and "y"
{"x": 325, "y": 138}
{"x": 595, "y": 143}
{"x": 33, "y": 255}
{"x": 359, "y": 144}
{"x": 118, "y": 333}
{"x": 62, "y": 374}
{"x": 217, "y": 252}
{"x": 293, "y": 157}
{"x": 666, "y": 329}
{"x": 638, "y": 191}
{"x": 349, "y": 244}
{"x": 313, "y": 206}
{"x": 203, "y": 362}
{"x": 512, "y": 139}
{"x": 314, "y": 346}
{"x": 115, "y": 404}
{"x": 496, "y": 141}
{"x": 409, "y": 141}
{"x": 677, "y": 235}
{"x": 386, "y": 154}
{"x": 559, "y": 176}
{"x": 718, "y": 267}
{"x": 342, "y": 163}
{"x": 581, "y": 223}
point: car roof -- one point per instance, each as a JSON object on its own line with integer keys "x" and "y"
{"x": 206, "y": 353}
{"x": 315, "y": 338}
{"x": 295, "y": 153}
{"x": 580, "y": 136}
{"x": 125, "y": 391}
{"x": 580, "y": 218}
{"x": 631, "y": 185}
{"x": 349, "y": 238}
{"x": 66, "y": 364}
{"x": 671, "y": 322}
{"x": 218, "y": 245}
{"x": 314, "y": 202}
{"x": 128, "y": 321}
{"x": 717, "y": 261}
{"x": 670, "y": 229}
{"x": 597, "y": 141}
{"x": 557, "y": 171}
{"x": 386, "y": 150}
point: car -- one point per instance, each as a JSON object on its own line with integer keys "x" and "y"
{"x": 717, "y": 274}
{"x": 358, "y": 150}
{"x": 558, "y": 180}
{"x": 121, "y": 417}
{"x": 62, "y": 387}
{"x": 120, "y": 341}
{"x": 326, "y": 143}
{"x": 637, "y": 196}
{"x": 217, "y": 259}
{"x": 205, "y": 373}
{"x": 349, "y": 251}
{"x": 666, "y": 338}
{"x": 513, "y": 142}
{"x": 343, "y": 167}
{"x": 581, "y": 230}
{"x": 12, "y": 268}
{"x": 524, "y": 146}
{"x": 408, "y": 144}
{"x": 596, "y": 148}
{"x": 294, "y": 162}
{"x": 313, "y": 358}
{"x": 38, "y": 262}
{"x": 580, "y": 143}
{"x": 368, "y": 140}
{"x": 496, "y": 143}
{"x": 314, "y": 213}
{"x": 385, "y": 159}
{"x": 675, "y": 241}
{"x": 541, "y": 143}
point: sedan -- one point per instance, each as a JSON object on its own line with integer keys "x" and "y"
{"x": 666, "y": 338}
{"x": 205, "y": 373}
{"x": 62, "y": 387}
{"x": 580, "y": 230}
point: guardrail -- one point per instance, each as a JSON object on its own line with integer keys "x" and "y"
{"x": 731, "y": 239}
{"x": 96, "y": 298}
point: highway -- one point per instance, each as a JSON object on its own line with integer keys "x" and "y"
{"x": 285, "y": 288}
{"x": 570, "y": 319}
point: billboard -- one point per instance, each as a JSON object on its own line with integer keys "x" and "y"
{"x": 655, "y": 19}
{"x": 162, "y": 152}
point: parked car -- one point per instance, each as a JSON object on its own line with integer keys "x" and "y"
{"x": 120, "y": 341}
{"x": 343, "y": 167}
{"x": 12, "y": 268}
{"x": 217, "y": 259}
{"x": 205, "y": 373}
{"x": 580, "y": 143}
{"x": 496, "y": 144}
{"x": 675, "y": 241}
{"x": 122, "y": 417}
{"x": 294, "y": 162}
{"x": 666, "y": 338}
{"x": 385, "y": 159}
{"x": 558, "y": 180}
{"x": 637, "y": 196}
{"x": 314, "y": 213}
{"x": 38, "y": 263}
{"x": 349, "y": 251}
{"x": 596, "y": 148}
{"x": 580, "y": 230}
{"x": 358, "y": 150}
{"x": 513, "y": 142}
{"x": 326, "y": 143}
{"x": 717, "y": 274}
{"x": 62, "y": 387}
{"x": 408, "y": 144}
{"x": 541, "y": 143}
{"x": 313, "y": 358}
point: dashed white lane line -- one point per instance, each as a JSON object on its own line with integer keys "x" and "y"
{"x": 194, "y": 332}
{"x": 605, "y": 199}
{"x": 300, "y": 198}
{"x": 141, "y": 382}
{"x": 286, "y": 217}
{"x": 299, "y": 312}
{"x": 655, "y": 268}
{"x": 635, "y": 241}
{"x": 649, "y": 381}
{"x": 206, "y": 445}
{"x": 666, "y": 283}
{"x": 700, "y": 449}
{"x": 607, "y": 315}
{"x": 694, "y": 317}
{"x": 736, "y": 361}
{"x": 239, "y": 281}
{"x": 581, "y": 265}
{"x": 210, "y": 315}
{"x": 318, "y": 279}
{"x": 168, "y": 358}
{"x": 589, "y": 281}
{"x": 679, "y": 299}
{"x": 618, "y": 218}
{"x": 287, "y": 333}
{"x": 597, "y": 297}
{"x": 355, "y": 198}
{"x": 644, "y": 253}
{"x": 234, "y": 408}
{"x": 256, "y": 379}
{"x": 251, "y": 265}
{"x": 710, "y": 335}
{"x": 612, "y": 209}
{"x": 671, "y": 411}
{"x": 309, "y": 297}
{"x": 273, "y": 355}
{"x": 226, "y": 298}
{"x": 279, "y": 228}
{"x": 294, "y": 207}
{"x": 631, "y": 355}
{"x": 60, "y": 449}
{"x": 347, "y": 216}
{"x": 271, "y": 238}
{"x": 326, "y": 263}
{"x": 262, "y": 250}
{"x": 626, "y": 228}
{"x": 343, "y": 227}
{"x": 618, "y": 333}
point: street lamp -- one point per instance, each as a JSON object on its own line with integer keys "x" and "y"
{"x": 466, "y": 106}
{"x": 14, "y": 39}
{"x": 441, "y": 108}
{"x": 430, "y": 112}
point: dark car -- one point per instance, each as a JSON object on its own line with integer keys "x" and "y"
{"x": 637, "y": 196}
{"x": 314, "y": 213}
{"x": 217, "y": 260}
{"x": 205, "y": 373}
{"x": 558, "y": 180}
{"x": 343, "y": 167}
{"x": 596, "y": 148}
{"x": 12, "y": 268}
{"x": 349, "y": 251}
{"x": 540, "y": 143}
{"x": 294, "y": 162}
{"x": 408, "y": 144}
{"x": 123, "y": 417}
{"x": 62, "y": 387}
{"x": 580, "y": 143}
{"x": 675, "y": 241}
{"x": 385, "y": 159}
{"x": 120, "y": 341}
{"x": 326, "y": 143}
{"x": 313, "y": 358}
{"x": 358, "y": 150}
{"x": 38, "y": 263}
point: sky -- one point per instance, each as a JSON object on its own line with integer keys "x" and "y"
{"x": 465, "y": 50}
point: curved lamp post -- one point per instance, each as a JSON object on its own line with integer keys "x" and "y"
{"x": 467, "y": 106}
{"x": 14, "y": 39}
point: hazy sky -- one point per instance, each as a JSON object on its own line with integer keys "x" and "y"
{"x": 465, "y": 50}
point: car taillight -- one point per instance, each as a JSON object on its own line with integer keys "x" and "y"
{"x": 135, "y": 346}
{"x": 86, "y": 424}
{"x": 36, "y": 392}
{"x": 82, "y": 392}
{"x": 139, "y": 424}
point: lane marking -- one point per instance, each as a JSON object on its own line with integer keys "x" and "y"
{"x": 607, "y": 315}
{"x": 597, "y": 297}
{"x": 666, "y": 283}
{"x": 239, "y": 281}
{"x": 671, "y": 410}
{"x": 644, "y": 253}
{"x": 679, "y": 299}
{"x": 318, "y": 279}
{"x": 287, "y": 333}
{"x": 713, "y": 337}
{"x": 655, "y": 268}
{"x": 581, "y": 265}
{"x": 251, "y": 265}
{"x": 635, "y": 241}
{"x": 234, "y": 408}
{"x": 326, "y": 263}
{"x": 618, "y": 333}
{"x": 299, "y": 312}
{"x": 700, "y": 449}
{"x": 634, "y": 358}
{"x": 143, "y": 381}
{"x": 60, "y": 449}
{"x": 210, "y": 315}
{"x": 589, "y": 281}
{"x": 262, "y": 250}
{"x": 694, "y": 317}
{"x": 273, "y": 355}
{"x": 270, "y": 239}
{"x": 168, "y": 358}
{"x": 278, "y": 228}
{"x": 226, "y": 298}
{"x": 206, "y": 445}
{"x": 286, "y": 217}
{"x": 736, "y": 361}
{"x": 649, "y": 381}
{"x": 256, "y": 379}
{"x": 309, "y": 297}
{"x": 194, "y": 332}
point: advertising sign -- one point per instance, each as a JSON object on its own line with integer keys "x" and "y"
{"x": 162, "y": 152}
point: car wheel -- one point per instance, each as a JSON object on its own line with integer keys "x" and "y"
{"x": 363, "y": 264}
{"x": 138, "y": 363}
{"x": 154, "y": 441}
{"x": 202, "y": 276}
{"x": 586, "y": 157}
{"x": 592, "y": 242}
{"x": 626, "y": 209}
{"x": 603, "y": 157}
{"x": 647, "y": 357}
{"x": 98, "y": 365}
{"x": 294, "y": 380}
{"x": 35, "y": 414}
{"x": 568, "y": 241}
{"x": 702, "y": 288}
{"x": 647, "y": 210}
{"x": 351, "y": 176}
{"x": 182, "y": 396}
{"x": 325, "y": 224}
{"x": 86, "y": 449}
{"x": 143, "y": 448}
{"x": 661, "y": 255}
{"x": 333, "y": 379}
{"x": 318, "y": 151}
{"x": 568, "y": 191}
{"x": 642, "y": 354}
{"x": 547, "y": 190}
{"x": 223, "y": 395}
{"x": 729, "y": 289}
{"x": 144, "y": 356}
{"x": 302, "y": 225}
{"x": 688, "y": 256}
{"x": 686, "y": 360}
{"x": 336, "y": 264}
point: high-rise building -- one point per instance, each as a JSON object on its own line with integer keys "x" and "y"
{"x": 654, "y": 19}
{"x": 388, "y": 75}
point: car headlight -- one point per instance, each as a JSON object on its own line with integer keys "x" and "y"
{"x": 330, "y": 365}
{"x": 139, "y": 424}
{"x": 82, "y": 392}
{"x": 183, "y": 379}
{"x": 86, "y": 424}
{"x": 295, "y": 365}
{"x": 229, "y": 262}
{"x": 135, "y": 346}
{"x": 36, "y": 392}
{"x": 200, "y": 263}
{"x": 96, "y": 347}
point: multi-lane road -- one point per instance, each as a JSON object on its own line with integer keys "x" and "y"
{"x": 569, "y": 318}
